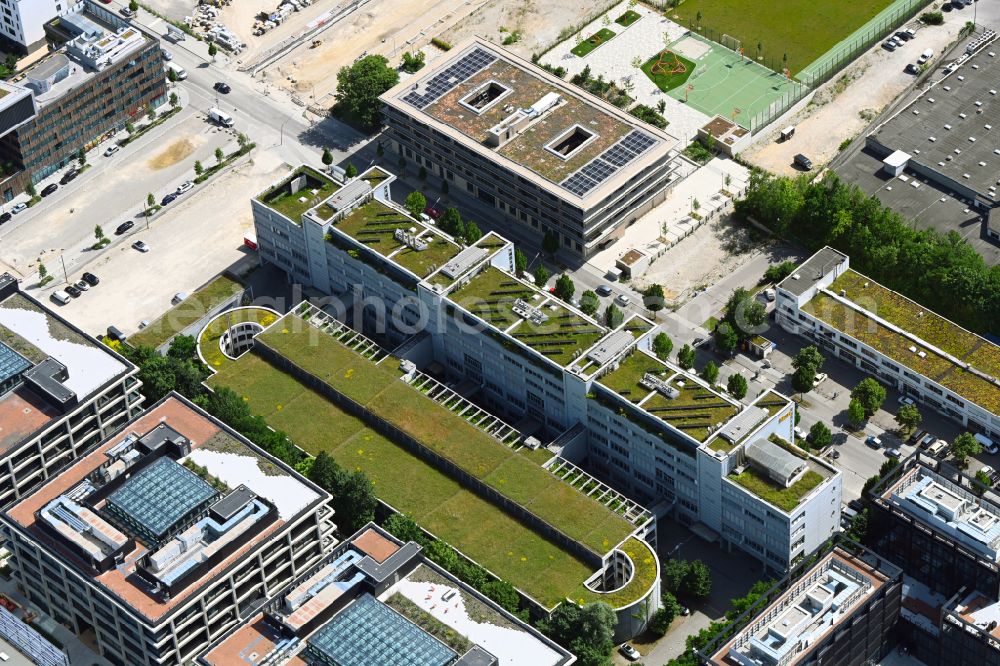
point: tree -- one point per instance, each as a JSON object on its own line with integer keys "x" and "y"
{"x": 503, "y": 593}
{"x": 350, "y": 171}
{"x": 908, "y": 417}
{"x": 589, "y": 303}
{"x": 520, "y": 261}
{"x": 662, "y": 346}
{"x": 541, "y": 276}
{"x": 213, "y": 50}
{"x": 413, "y": 62}
{"x": 81, "y": 156}
{"x": 565, "y": 287}
{"x": 685, "y": 357}
{"x": 219, "y": 155}
{"x": 403, "y": 527}
{"x": 744, "y": 313}
{"x": 359, "y": 86}
{"x": 613, "y": 317}
{"x": 965, "y": 445}
{"x": 198, "y": 168}
{"x": 327, "y": 157}
{"x": 183, "y": 347}
{"x": 29, "y": 189}
{"x": 133, "y": 5}
{"x": 710, "y": 373}
{"x": 43, "y": 272}
{"x": 820, "y": 435}
{"x": 415, "y": 203}
{"x": 99, "y": 233}
{"x": 150, "y": 202}
{"x": 673, "y": 575}
{"x": 472, "y": 232}
{"x": 450, "y": 222}
{"x": 584, "y": 630}
{"x": 171, "y": 76}
{"x": 550, "y": 242}
{"x": 698, "y": 581}
{"x": 174, "y": 100}
{"x": 129, "y": 127}
{"x": 652, "y": 297}
{"x": 870, "y": 394}
{"x": 726, "y": 339}
{"x": 352, "y": 495}
{"x": 737, "y": 385}
{"x": 984, "y": 478}
{"x": 806, "y": 363}
{"x": 855, "y": 413}
{"x": 778, "y": 272}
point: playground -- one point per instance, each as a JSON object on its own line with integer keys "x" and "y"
{"x": 719, "y": 81}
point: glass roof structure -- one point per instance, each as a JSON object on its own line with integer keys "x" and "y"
{"x": 155, "y": 499}
{"x": 369, "y": 632}
{"x": 12, "y": 365}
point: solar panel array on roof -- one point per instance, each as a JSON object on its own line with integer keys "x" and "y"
{"x": 445, "y": 80}
{"x": 158, "y": 497}
{"x": 12, "y": 365}
{"x": 607, "y": 163}
{"x": 369, "y": 632}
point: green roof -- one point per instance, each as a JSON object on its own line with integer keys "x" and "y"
{"x": 644, "y": 568}
{"x": 695, "y": 411}
{"x": 929, "y": 327}
{"x": 292, "y": 205}
{"x": 374, "y": 224}
{"x": 210, "y": 336}
{"x": 562, "y": 337}
{"x": 456, "y": 515}
{"x": 785, "y": 499}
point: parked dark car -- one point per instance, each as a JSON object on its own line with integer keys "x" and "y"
{"x": 222, "y": 87}
{"x": 91, "y": 279}
{"x": 167, "y": 199}
{"x": 123, "y": 227}
{"x": 4, "y": 218}
{"x": 603, "y": 290}
{"x": 69, "y": 176}
{"x": 72, "y": 291}
{"x": 803, "y": 161}
{"x": 49, "y": 189}
{"x": 912, "y": 69}
{"x": 916, "y": 436}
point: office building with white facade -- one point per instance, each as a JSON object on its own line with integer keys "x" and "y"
{"x": 166, "y": 535}
{"x": 645, "y": 427}
{"x": 61, "y": 392}
{"x": 901, "y": 343}
{"x": 545, "y": 156}
{"x": 22, "y": 22}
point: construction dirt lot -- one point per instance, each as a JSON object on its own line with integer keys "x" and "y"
{"x": 844, "y": 107}
{"x": 390, "y": 27}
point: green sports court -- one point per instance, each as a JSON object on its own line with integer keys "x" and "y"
{"x": 718, "y": 81}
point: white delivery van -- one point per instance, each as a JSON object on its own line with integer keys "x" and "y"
{"x": 178, "y": 70}
{"x": 60, "y": 297}
{"x": 925, "y": 56}
{"x": 221, "y": 117}
{"x": 988, "y": 445}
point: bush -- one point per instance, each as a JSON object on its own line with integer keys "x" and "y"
{"x": 778, "y": 272}
{"x": 649, "y": 115}
{"x": 698, "y": 152}
{"x": 441, "y": 44}
{"x": 413, "y": 62}
{"x": 932, "y": 18}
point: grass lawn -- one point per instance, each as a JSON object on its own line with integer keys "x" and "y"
{"x": 785, "y": 499}
{"x": 803, "y": 30}
{"x": 491, "y": 295}
{"x": 625, "y": 380}
{"x": 628, "y": 18}
{"x": 187, "y": 312}
{"x": 592, "y": 42}
{"x": 661, "y": 66}
{"x": 437, "y": 502}
{"x": 208, "y": 339}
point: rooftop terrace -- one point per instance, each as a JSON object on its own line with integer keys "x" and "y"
{"x": 931, "y": 335}
{"x": 406, "y": 482}
{"x": 301, "y": 190}
{"x": 694, "y": 409}
{"x": 550, "y": 328}
{"x": 223, "y": 461}
{"x": 416, "y": 248}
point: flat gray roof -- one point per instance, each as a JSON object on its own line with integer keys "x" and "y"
{"x": 810, "y": 272}
{"x": 954, "y": 127}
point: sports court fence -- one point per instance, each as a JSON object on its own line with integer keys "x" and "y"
{"x": 826, "y": 66}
